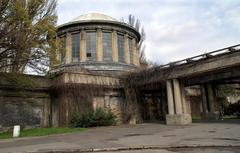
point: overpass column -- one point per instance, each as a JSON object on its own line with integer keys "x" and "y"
{"x": 204, "y": 102}
{"x": 213, "y": 114}
{"x": 210, "y": 97}
{"x": 170, "y": 97}
{"x": 185, "y": 104}
{"x": 176, "y": 96}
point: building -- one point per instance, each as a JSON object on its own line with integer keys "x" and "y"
{"x": 96, "y": 50}
{"x": 98, "y": 42}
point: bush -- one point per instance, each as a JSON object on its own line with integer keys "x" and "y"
{"x": 91, "y": 118}
{"x": 233, "y": 109}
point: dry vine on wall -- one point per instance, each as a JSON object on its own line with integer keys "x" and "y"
{"x": 75, "y": 98}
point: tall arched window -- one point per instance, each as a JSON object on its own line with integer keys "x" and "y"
{"x": 120, "y": 42}
{"x": 91, "y": 45}
{"x": 75, "y": 47}
{"x": 130, "y": 43}
{"x": 107, "y": 46}
{"x": 62, "y": 48}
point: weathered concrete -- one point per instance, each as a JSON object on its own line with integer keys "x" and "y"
{"x": 177, "y": 96}
{"x": 178, "y": 119}
{"x": 170, "y": 98}
{"x": 204, "y": 99}
{"x": 227, "y": 64}
{"x": 27, "y": 104}
{"x": 197, "y": 134}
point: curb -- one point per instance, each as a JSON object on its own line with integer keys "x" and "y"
{"x": 130, "y": 148}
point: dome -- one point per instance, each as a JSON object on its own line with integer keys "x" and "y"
{"x": 94, "y": 17}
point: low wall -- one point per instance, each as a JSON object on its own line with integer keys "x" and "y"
{"x": 22, "y": 103}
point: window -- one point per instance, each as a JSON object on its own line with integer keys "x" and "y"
{"x": 91, "y": 45}
{"x": 107, "y": 46}
{"x": 130, "y": 43}
{"x": 120, "y": 42}
{"x": 63, "y": 50}
{"x": 75, "y": 47}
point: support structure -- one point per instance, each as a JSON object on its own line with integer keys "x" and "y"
{"x": 209, "y": 100}
{"x": 126, "y": 49}
{"x": 99, "y": 53}
{"x": 114, "y": 46}
{"x": 176, "y": 102}
{"x": 83, "y": 45}
{"x": 68, "y": 48}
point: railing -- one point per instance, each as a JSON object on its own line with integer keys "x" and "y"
{"x": 235, "y": 48}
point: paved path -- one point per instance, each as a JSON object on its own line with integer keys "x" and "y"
{"x": 184, "y": 150}
{"x": 148, "y": 134}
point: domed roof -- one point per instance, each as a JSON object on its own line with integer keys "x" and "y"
{"x": 93, "y": 17}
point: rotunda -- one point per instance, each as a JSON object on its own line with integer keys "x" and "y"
{"x": 98, "y": 42}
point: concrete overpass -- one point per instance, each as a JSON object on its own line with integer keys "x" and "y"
{"x": 216, "y": 67}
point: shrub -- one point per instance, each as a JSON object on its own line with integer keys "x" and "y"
{"x": 233, "y": 109}
{"x": 91, "y": 118}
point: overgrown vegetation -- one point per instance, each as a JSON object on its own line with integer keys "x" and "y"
{"x": 40, "y": 132}
{"x": 232, "y": 109}
{"x": 93, "y": 118}
{"x": 134, "y": 22}
{"x": 27, "y": 35}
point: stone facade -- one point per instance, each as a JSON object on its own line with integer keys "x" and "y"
{"x": 91, "y": 49}
{"x": 24, "y": 105}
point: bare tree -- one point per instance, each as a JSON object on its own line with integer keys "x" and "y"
{"x": 134, "y": 22}
{"x": 27, "y": 34}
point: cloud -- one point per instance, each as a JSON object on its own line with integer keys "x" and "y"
{"x": 175, "y": 29}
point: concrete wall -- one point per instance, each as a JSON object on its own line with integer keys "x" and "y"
{"x": 24, "y": 106}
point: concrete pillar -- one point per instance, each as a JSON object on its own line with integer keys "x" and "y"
{"x": 170, "y": 97}
{"x": 177, "y": 96}
{"x": 83, "y": 56}
{"x": 68, "y": 48}
{"x": 179, "y": 118}
{"x": 211, "y": 97}
{"x": 99, "y": 53}
{"x": 114, "y": 46}
{"x": 204, "y": 99}
{"x": 126, "y": 49}
{"x": 185, "y": 105}
{"x": 212, "y": 113}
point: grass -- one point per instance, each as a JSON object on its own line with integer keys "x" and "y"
{"x": 40, "y": 132}
{"x": 230, "y": 117}
{"x": 196, "y": 118}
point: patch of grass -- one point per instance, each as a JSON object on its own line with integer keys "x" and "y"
{"x": 230, "y": 117}
{"x": 196, "y": 118}
{"x": 40, "y": 132}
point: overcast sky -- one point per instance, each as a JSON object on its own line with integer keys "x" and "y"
{"x": 175, "y": 29}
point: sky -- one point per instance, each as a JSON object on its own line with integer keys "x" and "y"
{"x": 175, "y": 29}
